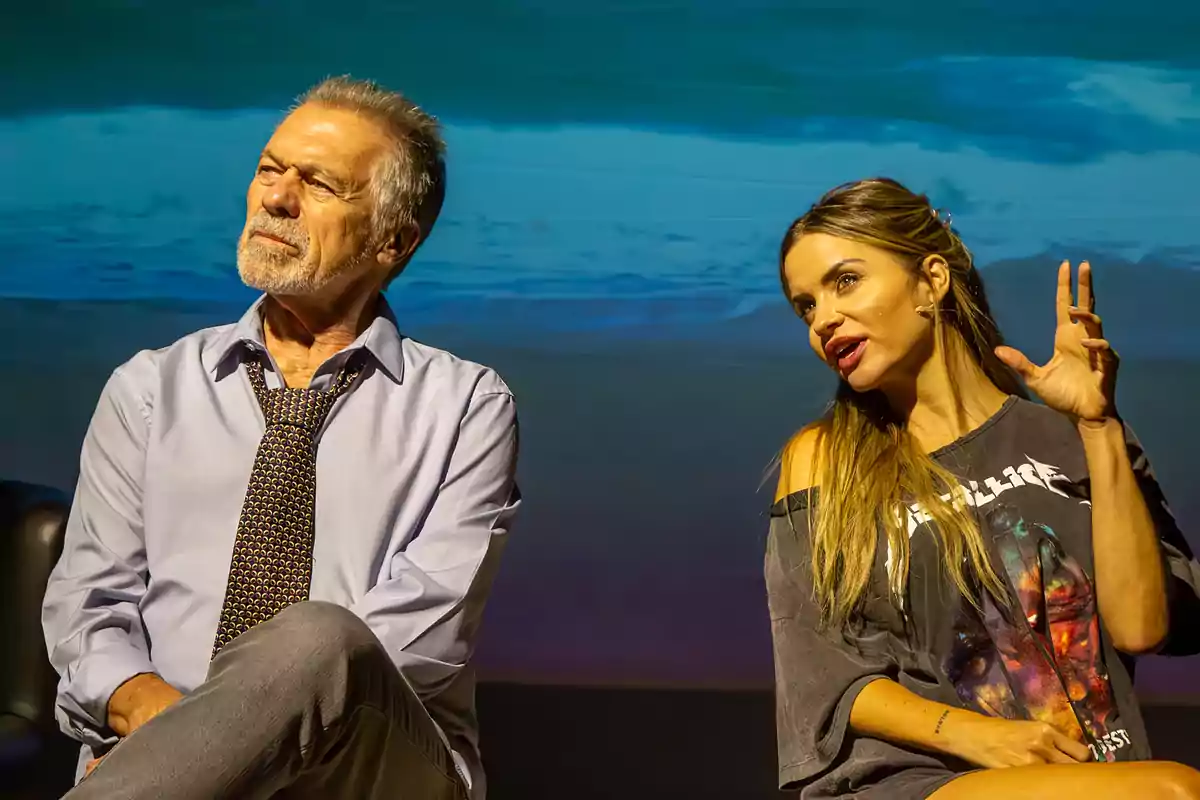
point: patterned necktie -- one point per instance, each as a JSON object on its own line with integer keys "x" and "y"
{"x": 272, "y": 556}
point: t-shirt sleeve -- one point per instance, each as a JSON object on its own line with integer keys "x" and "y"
{"x": 1183, "y": 587}
{"x": 817, "y": 675}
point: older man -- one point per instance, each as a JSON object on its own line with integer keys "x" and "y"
{"x": 285, "y": 528}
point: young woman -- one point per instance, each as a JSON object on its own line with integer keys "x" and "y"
{"x": 959, "y": 578}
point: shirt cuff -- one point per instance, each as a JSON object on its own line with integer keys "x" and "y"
{"x": 831, "y": 744}
{"x": 83, "y": 702}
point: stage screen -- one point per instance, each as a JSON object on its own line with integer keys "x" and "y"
{"x": 620, "y": 175}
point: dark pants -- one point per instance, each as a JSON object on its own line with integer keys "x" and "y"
{"x": 306, "y": 705}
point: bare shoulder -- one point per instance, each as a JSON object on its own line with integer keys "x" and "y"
{"x": 798, "y": 463}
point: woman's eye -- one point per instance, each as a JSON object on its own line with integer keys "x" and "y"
{"x": 846, "y": 280}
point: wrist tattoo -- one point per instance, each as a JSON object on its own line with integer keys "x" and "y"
{"x": 938, "y": 728}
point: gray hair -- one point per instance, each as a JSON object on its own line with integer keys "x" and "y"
{"x": 409, "y": 185}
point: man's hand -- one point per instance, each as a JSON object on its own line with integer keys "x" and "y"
{"x": 133, "y": 704}
{"x": 137, "y": 701}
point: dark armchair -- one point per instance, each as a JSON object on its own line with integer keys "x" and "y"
{"x": 32, "y": 522}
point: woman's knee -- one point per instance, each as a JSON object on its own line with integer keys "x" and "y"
{"x": 1174, "y": 781}
{"x": 1144, "y": 780}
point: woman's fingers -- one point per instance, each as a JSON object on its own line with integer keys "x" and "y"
{"x": 1062, "y": 294}
{"x": 1090, "y": 321}
{"x": 1102, "y": 350}
{"x": 1017, "y": 361}
{"x": 1075, "y": 750}
{"x": 1086, "y": 297}
{"x": 1056, "y": 756}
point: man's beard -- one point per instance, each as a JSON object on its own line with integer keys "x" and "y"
{"x": 271, "y": 269}
{"x": 267, "y": 268}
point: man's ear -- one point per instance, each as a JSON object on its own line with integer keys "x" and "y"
{"x": 936, "y": 279}
{"x": 398, "y": 248}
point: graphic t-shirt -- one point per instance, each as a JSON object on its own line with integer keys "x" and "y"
{"x": 1042, "y": 655}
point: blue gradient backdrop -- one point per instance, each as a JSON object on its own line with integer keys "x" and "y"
{"x": 621, "y": 173}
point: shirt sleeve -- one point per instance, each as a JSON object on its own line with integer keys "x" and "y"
{"x": 90, "y": 615}
{"x": 1183, "y": 586}
{"x": 818, "y": 675}
{"x": 427, "y": 612}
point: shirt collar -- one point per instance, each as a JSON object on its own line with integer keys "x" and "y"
{"x": 382, "y": 339}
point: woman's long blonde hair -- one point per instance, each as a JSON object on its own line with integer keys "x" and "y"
{"x": 867, "y": 468}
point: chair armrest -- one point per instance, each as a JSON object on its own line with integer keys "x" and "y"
{"x": 33, "y": 520}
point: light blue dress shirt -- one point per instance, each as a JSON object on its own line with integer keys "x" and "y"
{"x": 415, "y": 496}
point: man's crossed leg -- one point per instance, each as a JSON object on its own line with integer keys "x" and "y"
{"x": 307, "y": 704}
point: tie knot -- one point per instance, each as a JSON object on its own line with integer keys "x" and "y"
{"x": 301, "y": 408}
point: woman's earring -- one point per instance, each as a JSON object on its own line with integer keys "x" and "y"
{"x": 925, "y": 311}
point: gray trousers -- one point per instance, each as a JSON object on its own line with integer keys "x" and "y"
{"x": 306, "y": 705}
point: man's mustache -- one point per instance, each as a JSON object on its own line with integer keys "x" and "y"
{"x": 288, "y": 232}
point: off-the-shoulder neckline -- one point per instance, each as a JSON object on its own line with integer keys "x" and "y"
{"x": 799, "y": 500}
